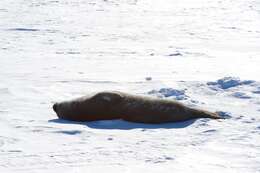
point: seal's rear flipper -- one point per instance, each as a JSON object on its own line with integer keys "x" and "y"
{"x": 224, "y": 115}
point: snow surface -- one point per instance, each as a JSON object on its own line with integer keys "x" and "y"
{"x": 205, "y": 51}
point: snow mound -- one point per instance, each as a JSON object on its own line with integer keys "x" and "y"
{"x": 170, "y": 92}
{"x": 229, "y": 82}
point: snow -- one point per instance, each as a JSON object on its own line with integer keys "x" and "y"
{"x": 228, "y": 82}
{"x": 169, "y": 92}
{"x": 206, "y": 51}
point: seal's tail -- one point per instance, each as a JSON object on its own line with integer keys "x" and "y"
{"x": 206, "y": 114}
{"x": 213, "y": 115}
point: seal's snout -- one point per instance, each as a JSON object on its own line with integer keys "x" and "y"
{"x": 55, "y": 107}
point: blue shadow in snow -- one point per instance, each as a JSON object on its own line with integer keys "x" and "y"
{"x": 69, "y": 132}
{"x": 23, "y": 29}
{"x": 124, "y": 125}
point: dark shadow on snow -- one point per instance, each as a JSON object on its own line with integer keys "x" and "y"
{"x": 124, "y": 125}
{"x": 23, "y": 29}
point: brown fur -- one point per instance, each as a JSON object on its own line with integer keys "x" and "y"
{"x": 134, "y": 108}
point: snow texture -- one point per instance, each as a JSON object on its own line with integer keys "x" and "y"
{"x": 170, "y": 92}
{"x": 185, "y": 50}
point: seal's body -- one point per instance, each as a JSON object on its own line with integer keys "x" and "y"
{"x": 134, "y": 108}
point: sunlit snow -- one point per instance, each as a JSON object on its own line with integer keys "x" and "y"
{"x": 204, "y": 53}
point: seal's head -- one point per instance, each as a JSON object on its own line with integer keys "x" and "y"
{"x": 54, "y": 107}
{"x": 88, "y": 108}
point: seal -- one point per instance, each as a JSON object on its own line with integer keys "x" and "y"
{"x": 110, "y": 105}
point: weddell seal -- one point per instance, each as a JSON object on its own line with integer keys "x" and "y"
{"x": 133, "y": 108}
